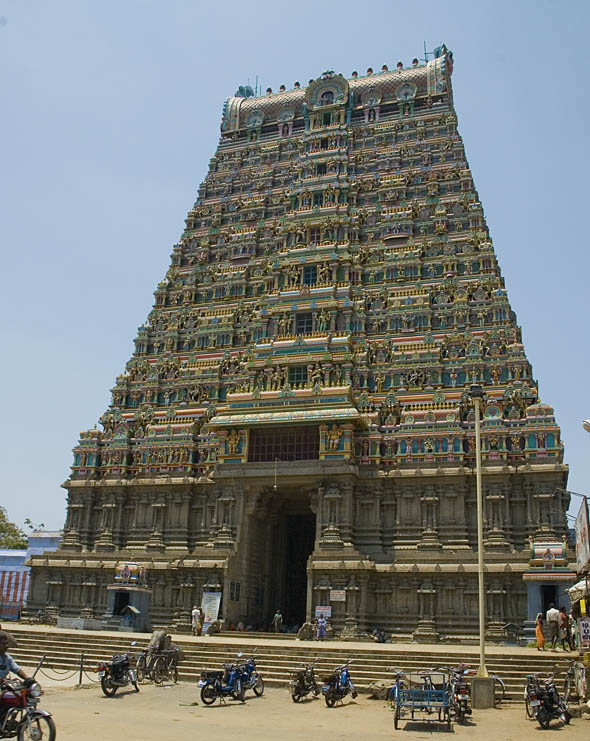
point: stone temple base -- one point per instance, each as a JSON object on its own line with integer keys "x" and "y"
{"x": 426, "y": 632}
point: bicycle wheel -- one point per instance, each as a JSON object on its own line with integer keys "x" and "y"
{"x": 159, "y": 672}
{"x": 499, "y": 690}
{"x": 173, "y": 671}
{"x": 140, "y": 669}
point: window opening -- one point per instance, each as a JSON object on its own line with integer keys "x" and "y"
{"x": 284, "y": 444}
{"x": 315, "y": 236}
{"x": 304, "y": 323}
{"x": 310, "y": 275}
{"x": 297, "y": 375}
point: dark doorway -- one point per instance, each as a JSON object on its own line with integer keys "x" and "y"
{"x": 548, "y": 596}
{"x": 299, "y": 542}
{"x": 121, "y": 602}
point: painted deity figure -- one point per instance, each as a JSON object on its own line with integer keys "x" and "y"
{"x": 233, "y": 440}
{"x": 334, "y": 435}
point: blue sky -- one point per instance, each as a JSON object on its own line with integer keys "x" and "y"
{"x": 110, "y": 113}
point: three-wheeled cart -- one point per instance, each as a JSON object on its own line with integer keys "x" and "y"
{"x": 419, "y": 696}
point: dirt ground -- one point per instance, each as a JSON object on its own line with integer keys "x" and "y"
{"x": 175, "y": 713}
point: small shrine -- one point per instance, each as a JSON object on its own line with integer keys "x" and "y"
{"x": 128, "y": 600}
{"x": 547, "y": 580}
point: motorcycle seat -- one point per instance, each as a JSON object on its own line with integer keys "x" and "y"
{"x": 213, "y": 674}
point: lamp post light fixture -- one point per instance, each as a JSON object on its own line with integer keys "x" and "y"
{"x": 586, "y": 425}
{"x": 478, "y": 396}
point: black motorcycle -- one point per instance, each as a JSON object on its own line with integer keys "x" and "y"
{"x": 117, "y": 673}
{"x": 303, "y": 682}
{"x": 460, "y": 697}
{"x": 543, "y": 701}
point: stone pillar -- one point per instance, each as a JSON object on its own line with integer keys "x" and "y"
{"x": 156, "y": 540}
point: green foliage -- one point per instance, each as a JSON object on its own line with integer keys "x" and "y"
{"x": 10, "y": 535}
{"x": 34, "y": 526}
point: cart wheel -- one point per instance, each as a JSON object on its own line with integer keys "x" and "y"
{"x": 396, "y": 718}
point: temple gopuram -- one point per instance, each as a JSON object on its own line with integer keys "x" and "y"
{"x": 294, "y": 428}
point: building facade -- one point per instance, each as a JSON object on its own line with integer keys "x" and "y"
{"x": 294, "y": 427}
{"x": 15, "y": 571}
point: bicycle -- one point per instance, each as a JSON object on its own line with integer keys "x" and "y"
{"x": 569, "y": 683}
{"x": 145, "y": 664}
{"x": 166, "y": 666}
{"x": 499, "y": 689}
{"x": 44, "y": 617}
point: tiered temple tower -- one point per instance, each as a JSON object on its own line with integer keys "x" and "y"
{"x": 294, "y": 426}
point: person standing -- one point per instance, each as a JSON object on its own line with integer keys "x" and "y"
{"x": 553, "y": 622}
{"x": 321, "y": 628}
{"x": 277, "y": 622}
{"x": 195, "y": 615}
{"x": 539, "y": 634}
{"x": 564, "y": 629}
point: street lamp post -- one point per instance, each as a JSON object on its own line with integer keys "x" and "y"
{"x": 477, "y": 397}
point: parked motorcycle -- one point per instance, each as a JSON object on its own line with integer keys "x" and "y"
{"x": 251, "y": 678}
{"x": 19, "y": 715}
{"x": 338, "y": 684}
{"x": 223, "y": 683}
{"x": 116, "y": 673}
{"x": 544, "y": 701}
{"x": 303, "y": 682}
{"x": 460, "y": 697}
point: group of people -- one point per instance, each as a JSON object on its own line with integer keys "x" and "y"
{"x": 558, "y": 622}
{"x": 321, "y": 626}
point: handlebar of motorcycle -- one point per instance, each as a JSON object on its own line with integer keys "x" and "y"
{"x": 16, "y": 685}
{"x": 311, "y": 663}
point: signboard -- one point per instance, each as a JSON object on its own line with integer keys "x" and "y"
{"x": 324, "y": 610}
{"x": 210, "y": 605}
{"x": 582, "y": 538}
{"x": 337, "y": 595}
{"x": 584, "y": 625}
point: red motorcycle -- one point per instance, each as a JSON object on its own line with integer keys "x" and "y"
{"x": 19, "y": 715}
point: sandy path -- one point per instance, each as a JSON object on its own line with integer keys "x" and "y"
{"x": 166, "y": 713}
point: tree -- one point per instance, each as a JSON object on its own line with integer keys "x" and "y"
{"x": 10, "y": 535}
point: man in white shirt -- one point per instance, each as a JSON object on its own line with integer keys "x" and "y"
{"x": 553, "y": 622}
{"x": 195, "y": 614}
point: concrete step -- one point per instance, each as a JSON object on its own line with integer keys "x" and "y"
{"x": 277, "y": 658}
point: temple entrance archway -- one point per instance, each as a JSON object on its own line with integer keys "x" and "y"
{"x": 282, "y": 537}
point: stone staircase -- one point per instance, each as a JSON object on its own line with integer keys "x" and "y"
{"x": 278, "y": 657}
